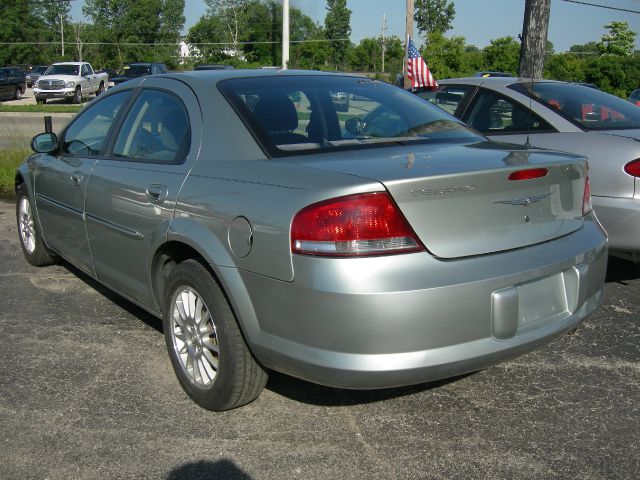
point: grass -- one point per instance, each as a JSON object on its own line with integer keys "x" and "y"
{"x": 9, "y": 161}
{"x": 41, "y": 108}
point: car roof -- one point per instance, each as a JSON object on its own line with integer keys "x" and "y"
{"x": 219, "y": 74}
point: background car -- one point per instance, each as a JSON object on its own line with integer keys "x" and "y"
{"x": 12, "y": 83}
{"x": 270, "y": 233}
{"x": 209, "y": 66}
{"x": 35, "y": 73}
{"x": 139, "y": 69}
{"x": 635, "y": 97}
{"x": 569, "y": 117}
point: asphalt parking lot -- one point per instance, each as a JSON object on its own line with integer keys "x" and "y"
{"x": 87, "y": 392}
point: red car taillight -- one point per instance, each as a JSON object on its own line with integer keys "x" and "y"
{"x": 355, "y": 225}
{"x": 633, "y": 168}
{"x": 586, "y": 198}
{"x": 529, "y": 174}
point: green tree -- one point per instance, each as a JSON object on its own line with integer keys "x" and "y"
{"x": 137, "y": 30}
{"x": 618, "y": 41}
{"x": 590, "y": 48}
{"x": 502, "y": 55}
{"x": 433, "y": 15}
{"x": 566, "y": 66}
{"x": 446, "y": 56}
{"x": 337, "y": 30}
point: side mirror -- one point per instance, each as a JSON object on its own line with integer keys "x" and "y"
{"x": 355, "y": 125}
{"x": 44, "y": 143}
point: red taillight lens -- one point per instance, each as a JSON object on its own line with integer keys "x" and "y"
{"x": 356, "y": 225}
{"x": 529, "y": 174}
{"x": 633, "y": 168}
{"x": 586, "y": 198}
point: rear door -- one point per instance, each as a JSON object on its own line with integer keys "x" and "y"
{"x": 132, "y": 194}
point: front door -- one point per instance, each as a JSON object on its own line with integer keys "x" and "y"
{"x": 61, "y": 181}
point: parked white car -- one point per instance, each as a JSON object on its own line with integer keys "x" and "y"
{"x": 70, "y": 80}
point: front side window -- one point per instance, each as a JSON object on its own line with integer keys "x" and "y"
{"x": 307, "y": 114}
{"x": 588, "y": 107}
{"x": 447, "y": 97}
{"x": 87, "y": 134}
{"x": 156, "y": 129}
{"x": 492, "y": 113}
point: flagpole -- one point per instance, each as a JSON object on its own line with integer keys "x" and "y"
{"x": 408, "y": 33}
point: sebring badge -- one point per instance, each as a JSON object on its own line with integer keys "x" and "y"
{"x": 525, "y": 201}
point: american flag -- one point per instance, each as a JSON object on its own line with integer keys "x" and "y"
{"x": 417, "y": 70}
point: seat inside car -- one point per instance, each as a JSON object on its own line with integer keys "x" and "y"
{"x": 277, "y": 115}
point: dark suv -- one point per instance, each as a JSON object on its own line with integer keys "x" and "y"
{"x": 12, "y": 83}
{"x": 139, "y": 69}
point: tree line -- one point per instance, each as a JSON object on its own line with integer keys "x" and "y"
{"x": 247, "y": 33}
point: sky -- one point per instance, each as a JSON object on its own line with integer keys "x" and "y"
{"x": 478, "y": 21}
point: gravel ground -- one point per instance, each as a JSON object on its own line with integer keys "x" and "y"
{"x": 87, "y": 392}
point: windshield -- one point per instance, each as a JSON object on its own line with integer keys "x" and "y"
{"x": 308, "y": 114}
{"x": 135, "y": 71}
{"x": 63, "y": 70}
{"x": 590, "y": 108}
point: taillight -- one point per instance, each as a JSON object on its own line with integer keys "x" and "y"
{"x": 528, "y": 174}
{"x": 355, "y": 225}
{"x": 633, "y": 168}
{"x": 586, "y": 198}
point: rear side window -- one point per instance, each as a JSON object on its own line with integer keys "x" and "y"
{"x": 492, "y": 113}
{"x": 298, "y": 114}
{"x": 156, "y": 129}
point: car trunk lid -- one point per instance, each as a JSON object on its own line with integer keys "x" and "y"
{"x": 460, "y": 200}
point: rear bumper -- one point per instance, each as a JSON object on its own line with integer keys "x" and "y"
{"x": 620, "y": 217}
{"x": 407, "y": 319}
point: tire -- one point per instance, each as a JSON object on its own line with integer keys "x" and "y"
{"x": 209, "y": 356}
{"x": 18, "y": 94}
{"x": 100, "y": 89}
{"x": 31, "y": 241}
{"x": 77, "y": 96}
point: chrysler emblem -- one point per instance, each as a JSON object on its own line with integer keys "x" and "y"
{"x": 524, "y": 201}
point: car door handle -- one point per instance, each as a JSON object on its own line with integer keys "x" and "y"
{"x": 76, "y": 178}
{"x": 156, "y": 193}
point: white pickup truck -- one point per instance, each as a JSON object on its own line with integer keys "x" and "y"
{"x": 71, "y": 80}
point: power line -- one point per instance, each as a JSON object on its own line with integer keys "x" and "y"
{"x": 134, "y": 44}
{"x": 602, "y": 6}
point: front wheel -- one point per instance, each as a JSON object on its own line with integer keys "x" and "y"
{"x": 31, "y": 241}
{"x": 100, "y": 89}
{"x": 18, "y": 94}
{"x": 207, "y": 350}
{"x": 77, "y": 96}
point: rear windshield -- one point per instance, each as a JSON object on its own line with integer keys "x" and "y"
{"x": 135, "y": 70}
{"x": 310, "y": 114}
{"x": 588, "y": 107}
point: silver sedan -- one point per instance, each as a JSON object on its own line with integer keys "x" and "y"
{"x": 386, "y": 246}
{"x": 569, "y": 117}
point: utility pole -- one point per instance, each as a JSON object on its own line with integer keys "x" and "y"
{"x": 409, "y": 32}
{"x": 534, "y": 38}
{"x": 62, "y": 32}
{"x": 384, "y": 31}
{"x": 285, "y": 34}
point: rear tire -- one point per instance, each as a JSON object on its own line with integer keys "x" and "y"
{"x": 206, "y": 347}
{"x": 31, "y": 241}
